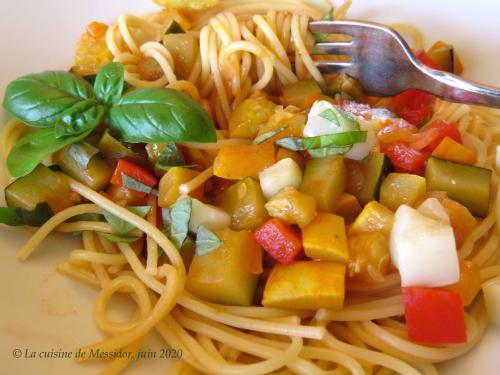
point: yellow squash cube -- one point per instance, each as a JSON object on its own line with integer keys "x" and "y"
{"x": 325, "y": 238}
{"x": 306, "y": 285}
{"x": 249, "y": 115}
{"x": 325, "y": 180}
{"x": 292, "y": 206}
{"x": 170, "y": 182}
{"x": 402, "y": 188}
{"x": 374, "y": 217}
{"x": 226, "y": 275}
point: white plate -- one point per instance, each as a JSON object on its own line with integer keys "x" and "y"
{"x": 43, "y": 311}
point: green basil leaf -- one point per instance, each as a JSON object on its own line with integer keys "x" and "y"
{"x": 170, "y": 157}
{"x": 180, "y": 214}
{"x": 319, "y": 37}
{"x": 328, "y": 151}
{"x": 121, "y": 226}
{"x": 81, "y": 153}
{"x": 39, "y": 99}
{"x": 267, "y": 135}
{"x": 109, "y": 83}
{"x": 335, "y": 139}
{"x": 174, "y": 28}
{"x": 81, "y": 117}
{"x": 167, "y": 221}
{"x": 160, "y": 115}
{"x": 341, "y": 119}
{"x": 15, "y": 216}
{"x": 30, "y": 150}
{"x": 290, "y": 143}
{"x": 133, "y": 184}
{"x": 206, "y": 241}
{"x": 118, "y": 238}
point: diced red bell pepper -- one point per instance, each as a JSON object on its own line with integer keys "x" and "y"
{"x": 397, "y": 131}
{"x": 414, "y": 106}
{"x": 434, "y": 316}
{"x": 441, "y": 129}
{"x": 134, "y": 171}
{"x": 280, "y": 240}
{"x": 405, "y": 158}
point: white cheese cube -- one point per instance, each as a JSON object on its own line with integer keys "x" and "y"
{"x": 285, "y": 173}
{"x": 212, "y": 217}
{"x": 359, "y": 151}
{"x": 317, "y": 125}
{"x": 491, "y": 292}
{"x": 423, "y": 250}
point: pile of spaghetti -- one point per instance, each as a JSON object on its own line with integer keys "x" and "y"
{"x": 221, "y": 55}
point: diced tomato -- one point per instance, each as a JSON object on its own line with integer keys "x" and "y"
{"x": 440, "y": 129}
{"x": 414, "y": 106}
{"x": 426, "y": 60}
{"x": 134, "y": 171}
{"x": 434, "y": 316}
{"x": 280, "y": 240}
{"x": 405, "y": 158}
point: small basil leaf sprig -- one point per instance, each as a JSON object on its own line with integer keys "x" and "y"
{"x": 65, "y": 109}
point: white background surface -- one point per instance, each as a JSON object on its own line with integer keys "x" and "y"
{"x": 41, "y": 310}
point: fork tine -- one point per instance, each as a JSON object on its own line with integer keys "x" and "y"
{"x": 334, "y": 48}
{"x": 336, "y": 27}
{"x": 335, "y": 67}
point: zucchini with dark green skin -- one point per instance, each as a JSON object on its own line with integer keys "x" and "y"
{"x": 325, "y": 180}
{"x": 113, "y": 150}
{"x": 42, "y": 185}
{"x": 468, "y": 185}
{"x": 95, "y": 174}
{"x": 374, "y": 171}
{"x": 297, "y": 93}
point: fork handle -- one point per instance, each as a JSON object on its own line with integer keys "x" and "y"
{"x": 451, "y": 87}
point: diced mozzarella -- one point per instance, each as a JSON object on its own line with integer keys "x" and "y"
{"x": 423, "y": 249}
{"x": 317, "y": 125}
{"x": 210, "y": 216}
{"x": 359, "y": 151}
{"x": 491, "y": 292}
{"x": 433, "y": 209}
{"x": 285, "y": 173}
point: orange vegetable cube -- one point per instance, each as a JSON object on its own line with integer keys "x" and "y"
{"x": 236, "y": 162}
{"x": 470, "y": 282}
{"x": 92, "y": 52}
{"x": 450, "y": 149}
{"x": 170, "y": 182}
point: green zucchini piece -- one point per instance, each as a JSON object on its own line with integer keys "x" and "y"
{"x": 374, "y": 171}
{"x": 325, "y": 180}
{"x": 88, "y": 168}
{"x": 174, "y": 28}
{"x": 40, "y": 186}
{"x": 296, "y": 93}
{"x": 113, "y": 150}
{"x": 466, "y": 184}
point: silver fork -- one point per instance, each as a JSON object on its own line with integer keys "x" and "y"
{"x": 385, "y": 66}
